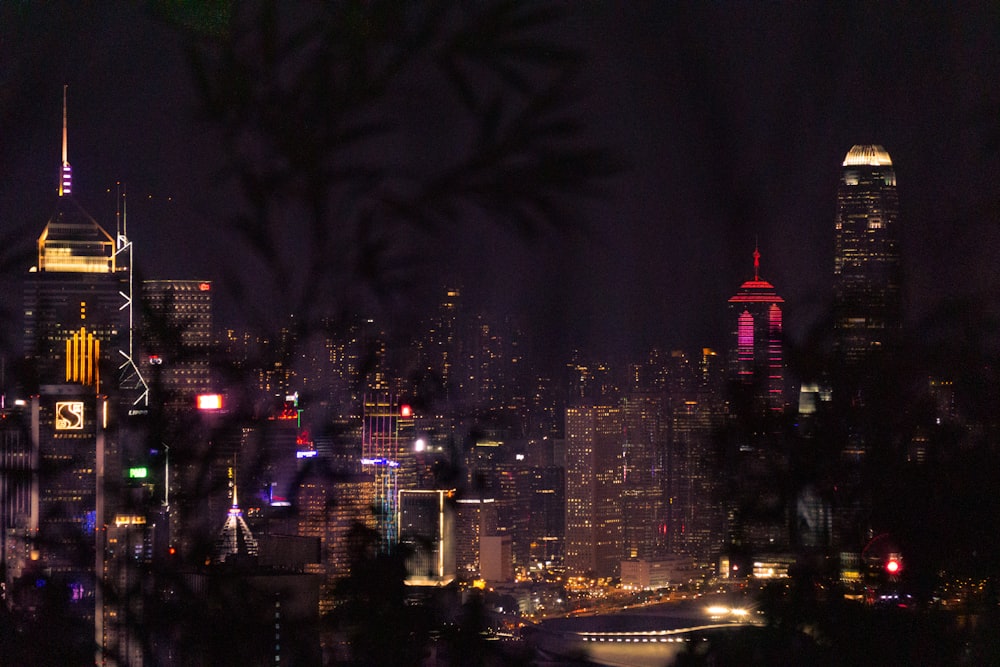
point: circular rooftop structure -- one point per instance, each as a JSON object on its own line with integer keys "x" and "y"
{"x": 867, "y": 154}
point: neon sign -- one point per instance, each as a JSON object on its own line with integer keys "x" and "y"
{"x": 69, "y": 415}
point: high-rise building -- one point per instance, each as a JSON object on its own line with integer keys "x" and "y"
{"x": 643, "y": 479}
{"x": 129, "y": 552}
{"x": 328, "y": 506}
{"x": 73, "y": 322}
{"x": 77, "y": 347}
{"x": 695, "y": 520}
{"x": 441, "y": 347}
{"x": 251, "y": 605}
{"x": 69, "y": 450}
{"x": 867, "y": 271}
{"x": 427, "y": 527}
{"x": 757, "y": 358}
{"x": 15, "y": 483}
{"x": 475, "y": 518}
{"x": 594, "y": 524}
{"x": 380, "y": 457}
{"x": 177, "y": 337}
{"x": 755, "y": 455}
{"x": 547, "y": 522}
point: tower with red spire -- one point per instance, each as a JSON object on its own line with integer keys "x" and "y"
{"x": 757, "y": 359}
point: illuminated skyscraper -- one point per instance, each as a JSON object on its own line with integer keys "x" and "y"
{"x": 867, "y": 273}
{"x": 594, "y": 524}
{"x": 15, "y": 474}
{"x": 695, "y": 518}
{"x": 475, "y": 518}
{"x": 380, "y": 457}
{"x": 758, "y": 360}
{"x": 329, "y": 511}
{"x": 755, "y": 454}
{"x": 177, "y": 337}
{"x": 77, "y": 345}
{"x": 441, "y": 346}
{"x": 427, "y": 526}
{"x": 72, "y": 302}
{"x": 77, "y": 300}
{"x": 643, "y": 474}
{"x": 69, "y": 450}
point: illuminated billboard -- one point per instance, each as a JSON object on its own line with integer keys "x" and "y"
{"x": 209, "y": 401}
{"x": 69, "y": 415}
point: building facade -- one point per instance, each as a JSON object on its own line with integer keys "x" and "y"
{"x": 177, "y": 339}
{"x": 594, "y": 523}
{"x": 758, "y": 362}
{"x": 867, "y": 300}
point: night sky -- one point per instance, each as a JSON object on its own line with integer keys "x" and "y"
{"x": 729, "y": 121}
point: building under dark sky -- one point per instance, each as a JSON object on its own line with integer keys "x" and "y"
{"x": 759, "y": 363}
{"x": 867, "y": 276}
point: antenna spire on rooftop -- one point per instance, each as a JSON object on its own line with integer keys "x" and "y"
{"x": 66, "y": 173}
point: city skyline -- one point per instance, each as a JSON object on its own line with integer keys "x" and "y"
{"x": 459, "y": 297}
{"x": 710, "y": 166}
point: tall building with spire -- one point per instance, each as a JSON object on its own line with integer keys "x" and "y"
{"x": 757, "y": 359}
{"x": 867, "y": 270}
{"x": 76, "y": 333}
{"x": 235, "y": 539}
{"x": 77, "y": 299}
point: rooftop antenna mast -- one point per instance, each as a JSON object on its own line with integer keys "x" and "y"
{"x": 66, "y": 173}
{"x": 129, "y": 374}
{"x": 756, "y": 257}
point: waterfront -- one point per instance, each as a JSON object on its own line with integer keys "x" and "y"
{"x": 642, "y": 636}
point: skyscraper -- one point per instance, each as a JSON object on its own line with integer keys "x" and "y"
{"x": 380, "y": 457}
{"x": 758, "y": 359}
{"x": 695, "y": 519}
{"x": 72, "y": 302}
{"x": 177, "y": 336}
{"x": 643, "y": 475}
{"x": 76, "y": 333}
{"x": 427, "y": 526}
{"x": 74, "y": 314}
{"x": 593, "y": 490}
{"x": 867, "y": 274}
{"x": 755, "y": 455}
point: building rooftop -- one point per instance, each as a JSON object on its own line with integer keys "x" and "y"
{"x": 867, "y": 154}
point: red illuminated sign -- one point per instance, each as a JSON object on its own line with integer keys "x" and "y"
{"x": 210, "y": 401}
{"x": 205, "y": 287}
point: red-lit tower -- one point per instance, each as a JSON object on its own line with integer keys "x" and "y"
{"x": 757, "y": 358}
